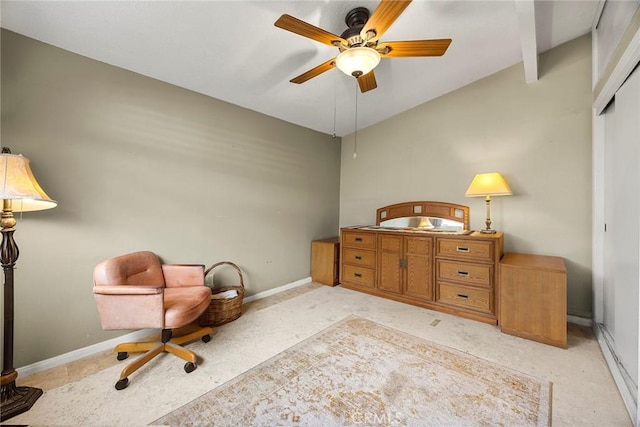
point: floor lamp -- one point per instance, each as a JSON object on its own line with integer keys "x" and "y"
{"x": 487, "y": 185}
{"x": 19, "y": 191}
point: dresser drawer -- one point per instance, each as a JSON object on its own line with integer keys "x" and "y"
{"x": 360, "y": 257}
{"x": 358, "y": 275}
{"x": 465, "y": 249}
{"x": 359, "y": 239}
{"x": 465, "y": 297}
{"x": 476, "y": 274}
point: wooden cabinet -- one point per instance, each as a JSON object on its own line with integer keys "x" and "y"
{"x": 325, "y": 255}
{"x": 451, "y": 273}
{"x": 533, "y": 298}
{"x": 405, "y": 265}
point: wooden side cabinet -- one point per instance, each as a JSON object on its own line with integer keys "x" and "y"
{"x": 533, "y": 298}
{"x": 325, "y": 254}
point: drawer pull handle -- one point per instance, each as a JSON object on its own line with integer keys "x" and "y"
{"x": 358, "y": 257}
{"x": 358, "y": 239}
{"x": 463, "y": 273}
{"x": 462, "y": 249}
{"x": 357, "y": 274}
{"x": 463, "y": 296}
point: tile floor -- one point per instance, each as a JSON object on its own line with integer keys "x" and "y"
{"x": 82, "y": 392}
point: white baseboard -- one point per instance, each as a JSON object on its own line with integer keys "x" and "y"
{"x": 81, "y": 352}
{"x": 582, "y": 321}
{"x": 133, "y": 336}
{"x": 277, "y": 290}
{"x": 628, "y": 399}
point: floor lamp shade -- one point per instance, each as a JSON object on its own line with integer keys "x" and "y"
{"x": 487, "y": 185}
{"x": 19, "y": 190}
{"x": 18, "y": 184}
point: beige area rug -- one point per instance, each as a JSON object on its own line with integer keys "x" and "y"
{"x": 358, "y": 372}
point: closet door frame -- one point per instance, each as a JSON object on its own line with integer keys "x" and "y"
{"x": 625, "y": 59}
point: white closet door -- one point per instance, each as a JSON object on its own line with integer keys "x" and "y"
{"x": 622, "y": 216}
{"x": 609, "y": 214}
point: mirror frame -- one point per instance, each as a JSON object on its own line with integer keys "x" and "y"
{"x": 445, "y": 210}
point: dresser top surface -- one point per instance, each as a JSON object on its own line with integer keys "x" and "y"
{"x": 426, "y": 232}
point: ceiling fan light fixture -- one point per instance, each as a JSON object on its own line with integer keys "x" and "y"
{"x": 357, "y": 61}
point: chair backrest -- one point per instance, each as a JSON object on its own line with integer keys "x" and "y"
{"x": 137, "y": 268}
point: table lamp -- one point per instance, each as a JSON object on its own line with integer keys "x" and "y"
{"x": 19, "y": 191}
{"x": 487, "y": 185}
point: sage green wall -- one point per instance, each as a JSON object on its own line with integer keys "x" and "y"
{"x": 138, "y": 164}
{"x": 537, "y": 135}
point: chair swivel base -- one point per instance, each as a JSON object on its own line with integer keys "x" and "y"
{"x": 154, "y": 348}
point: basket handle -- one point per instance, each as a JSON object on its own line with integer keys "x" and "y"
{"x": 226, "y": 263}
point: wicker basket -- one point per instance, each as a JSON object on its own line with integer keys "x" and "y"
{"x": 223, "y": 310}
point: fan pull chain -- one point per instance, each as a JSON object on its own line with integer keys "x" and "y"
{"x": 355, "y": 135}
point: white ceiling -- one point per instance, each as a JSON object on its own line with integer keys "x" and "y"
{"x": 230, "y": 50}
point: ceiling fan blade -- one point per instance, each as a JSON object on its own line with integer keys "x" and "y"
{"x": 367, "y": 82}
{"x": 436, "y": 47}
{"x": 316, "y": 71}
{"x": 289, "y": 23}
{"x": 385, "y": 14}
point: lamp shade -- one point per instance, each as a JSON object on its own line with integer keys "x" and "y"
{"x": 18, "y": 184}
{"x": 488, "y": 184}
{"x": 357, "y": 61}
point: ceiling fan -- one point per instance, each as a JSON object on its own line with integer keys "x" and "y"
{"x": 360, "y": 49}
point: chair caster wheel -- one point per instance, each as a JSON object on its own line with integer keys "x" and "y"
{"x": 122, "y": 355}
{"x": 122, "y": 384}
{"x": 206, "y": 338}
{"x": 189, "y": 367}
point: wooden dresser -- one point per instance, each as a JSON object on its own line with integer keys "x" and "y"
{"x": 419, "y": 253}
{"x": 456, "y": 274}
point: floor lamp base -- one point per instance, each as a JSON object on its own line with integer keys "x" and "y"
{"x": 16, "y": 400}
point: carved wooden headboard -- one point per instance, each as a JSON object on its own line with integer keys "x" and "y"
{"x": 444, "y": 210}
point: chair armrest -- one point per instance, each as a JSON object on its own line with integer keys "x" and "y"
{"x": 130, "y": 307}
{"x": 126, "y": 290}
{"x": 176, "y": 275}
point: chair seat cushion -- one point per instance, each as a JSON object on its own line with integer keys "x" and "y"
{"x": 184, "y": 305}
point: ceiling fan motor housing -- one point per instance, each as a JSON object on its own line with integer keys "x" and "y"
{"x": 355, "y": 20}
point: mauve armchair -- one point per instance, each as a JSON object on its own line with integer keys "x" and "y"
{"x": 136, "y": 291}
